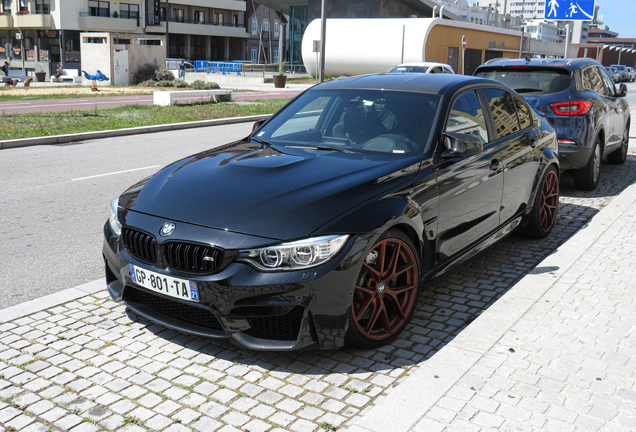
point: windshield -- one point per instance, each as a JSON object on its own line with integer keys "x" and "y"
{"x": 361, "y": 121}
{"x": 530, "y": 80}
{"x": 409, "y": 69}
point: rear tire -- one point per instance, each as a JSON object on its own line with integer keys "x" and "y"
{"x": 587, "y": 177}
{"x": 385, "y": 294}
{"x": 543, "y": 215}
{"x": 619, "y": 156}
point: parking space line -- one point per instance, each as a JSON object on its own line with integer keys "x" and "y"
{"x": 117, "y": 172}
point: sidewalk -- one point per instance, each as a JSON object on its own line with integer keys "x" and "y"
{"x": 553, "y": 352}
{"x": 557, "y": 353}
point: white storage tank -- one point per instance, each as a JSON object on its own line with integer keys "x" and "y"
{"x": 358, "y": 46}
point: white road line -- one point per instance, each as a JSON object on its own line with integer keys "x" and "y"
{"x": 118, "y": 172}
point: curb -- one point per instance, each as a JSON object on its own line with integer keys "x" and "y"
{"x": 410, "y": 401}
{"x": 60, "y": 139}
{"x": 48, "y": 301}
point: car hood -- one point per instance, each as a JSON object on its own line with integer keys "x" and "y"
{"x": 277, "y": 193}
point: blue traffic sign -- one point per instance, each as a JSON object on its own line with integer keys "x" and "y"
{"x": 569, "y": 10}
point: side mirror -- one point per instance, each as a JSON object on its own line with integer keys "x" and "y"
{"x": 622, "y": 91}
{"x": 257, "y": 125}
{"x": 461, "y": 145}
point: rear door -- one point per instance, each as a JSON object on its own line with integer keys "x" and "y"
{"x": 519, "y": 147}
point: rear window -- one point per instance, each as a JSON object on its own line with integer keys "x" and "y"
{"x": 408, "y": 69}
{"x": 538, "y": 81}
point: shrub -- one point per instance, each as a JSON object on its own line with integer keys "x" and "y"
{"x": 147, "y": 83}
{"x": 223, "y": 98}
{"x": 145, "y": 73}
{"x": 197, "y": 84}
{"x": 180, "y": 84}
{"x": 164, "y": 74}
{"x": 211, "y": 86}
{"x": 164, "y": 83}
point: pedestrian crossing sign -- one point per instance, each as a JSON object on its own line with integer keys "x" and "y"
{"x": 569, "y": 10}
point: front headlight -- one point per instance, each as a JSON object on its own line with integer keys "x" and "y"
{"x": 113, "y": 220}
{"x": 296, "y": 255}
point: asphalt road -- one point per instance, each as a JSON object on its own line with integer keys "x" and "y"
{"x": 81, "y": 104}
{"x": 55, "y": 200}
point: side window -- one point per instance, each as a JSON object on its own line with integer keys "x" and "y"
{"x": 608, "y": 84}
{"x": 467, "y": 116}
{"x": 592, "y": 80}
{"x": 436, "y": 69}
{"x": 447, "y": 70}
{"x": 503, "y": 110}
{"x": 523, "y": 111}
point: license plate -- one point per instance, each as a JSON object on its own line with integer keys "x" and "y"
{"x": 174, "y": 287}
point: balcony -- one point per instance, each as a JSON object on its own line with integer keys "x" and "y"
{"x": 108, "y": 23}
{"x": 32, "y": 21}
{"x": 206, "y": 29}
{"x": 6, "y": 21}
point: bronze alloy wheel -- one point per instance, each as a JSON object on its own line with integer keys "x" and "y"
{"x": 386, "y": 291}
{"x": 549, "y": 201}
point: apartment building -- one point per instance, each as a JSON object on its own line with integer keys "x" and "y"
{"x": 266, "y": 41}
{"x": 40, "y": 33}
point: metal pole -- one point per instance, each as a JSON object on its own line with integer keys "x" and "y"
{"x": 403, "y": 33}
{"x": 167, "y": 32}
{"x": 567, "y": 39}
{"x": 323, "y": 35}
{"x": 523, "y": 32}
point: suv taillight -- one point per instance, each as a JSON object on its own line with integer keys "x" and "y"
{"x": 574, "y": 108}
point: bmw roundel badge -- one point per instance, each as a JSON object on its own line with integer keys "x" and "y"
{"x": 167, "y": 229}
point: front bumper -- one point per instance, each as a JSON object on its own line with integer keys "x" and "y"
{"x": 258, "y": 310}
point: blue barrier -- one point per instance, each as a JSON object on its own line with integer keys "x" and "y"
{"x": 225, "y": 68}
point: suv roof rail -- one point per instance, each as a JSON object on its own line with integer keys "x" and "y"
{"x": 494, "y": 60}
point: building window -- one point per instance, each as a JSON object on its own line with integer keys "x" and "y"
{"x": 199, "y": 16}
{"x": 276, "y": 28}
{"x": 6, "y": 6}
{"x": 24, "y": 7}
{"x": 42, "y": 6}
{"x": 265, "y": 26}
{"x": 163, "y": 14}
{"x": 197, "y": 47}
{"x": 99, "y": 8}
{"x": 219, "y": 18}
{"x": 254, "y": 27}
{"x": 130, "y": 11}
{"x": 235, "y": 20}
{"x": 275, "y": 55}
{"x": 121, "y": 41}
{"x": 253, "y": 54}
{"x": 178, "y": 13}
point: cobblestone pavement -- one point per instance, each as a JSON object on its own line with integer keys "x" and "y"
{"x": 86, "y": 365}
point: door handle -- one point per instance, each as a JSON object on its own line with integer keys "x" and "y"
{"x": 495, "y": 165}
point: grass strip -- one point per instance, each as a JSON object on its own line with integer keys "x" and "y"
{"x": 14, "y": 126}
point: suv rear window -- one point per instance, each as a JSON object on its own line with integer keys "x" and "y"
{"x": 530, "y": 80}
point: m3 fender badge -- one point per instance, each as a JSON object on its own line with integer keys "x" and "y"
{"x": 167, "y": 229}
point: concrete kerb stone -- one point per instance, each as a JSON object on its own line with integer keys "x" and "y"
{"x": 410, "y": 401}
{"x": 51, "y": 300}
{"x": 60, "y": 139}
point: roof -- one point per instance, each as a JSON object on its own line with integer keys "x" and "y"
{"x": 563, "y": 63}
{"x": 420, "y": 83}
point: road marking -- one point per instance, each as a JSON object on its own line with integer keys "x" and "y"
{"x": 118, "y": 172}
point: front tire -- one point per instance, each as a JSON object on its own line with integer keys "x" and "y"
{"x": 587, "y": 177}
{"x": 385, "y": 294}
{"x": 546, "y": 204}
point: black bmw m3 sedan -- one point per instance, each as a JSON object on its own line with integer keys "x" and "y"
{"x": 321, "y": 227}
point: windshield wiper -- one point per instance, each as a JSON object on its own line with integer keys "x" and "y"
{"x": 262, "y": 142}
{"x": 320, "y": 147}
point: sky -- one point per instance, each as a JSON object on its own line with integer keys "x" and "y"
{"x": 619, "y": 15}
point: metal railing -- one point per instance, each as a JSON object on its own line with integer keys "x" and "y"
{"x": 225, "y": 68}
